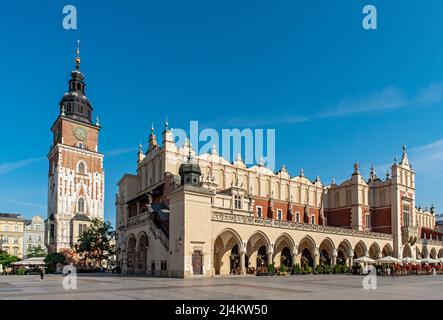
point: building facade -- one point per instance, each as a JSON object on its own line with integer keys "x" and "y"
{"x": 76, "y": 175}
{"x": 11, "y": 233}
{"x": 34, "y": 234}
{"x": 183, "y": 215}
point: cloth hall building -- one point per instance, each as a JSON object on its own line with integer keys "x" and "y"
{"x": 185, "y": 215}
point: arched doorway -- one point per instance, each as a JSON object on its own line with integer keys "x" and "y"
{"x": 360, "y": 250}
{"x": 226, "y": 251}
{"x": 374, "y": 251}
{"x": 283, "y": 250}
{"x": 307, "y": 249}
{"x": 130, "y": 254}
{"x": 433, "y": 253}
{"x": 387, "y": 250}
{"x": 142, "y": 262}
{"x": 343, "y": 252}
{"x": 407, "y": 251}
{"x": 257, "y": 252}
{"x": 326, "y": 252}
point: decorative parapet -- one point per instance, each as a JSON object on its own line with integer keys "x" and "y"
{"x": 233, "y": 218}
{"x": 430, "y": 242}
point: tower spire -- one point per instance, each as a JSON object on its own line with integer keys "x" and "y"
{"x": 77, "y": 58}
{"x": 404, "y": 157}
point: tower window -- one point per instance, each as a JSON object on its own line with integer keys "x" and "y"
{"x": 406, "y": 214}
{"x": 80, "y": 109}
{"x": 81, "y": 168}
{"x": 69, "y": 110}
{"x": 279, "y": 214}
{"x": 79, "y": 86}
{"x": 81, "y": 205}
{"x": 237, "y": 202}
{"x": 81, "y": 145}
{"x": 312, "y": 219}
{"x": 297, "y": 217}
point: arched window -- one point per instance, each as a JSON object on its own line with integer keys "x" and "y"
{"x": 81, "y": 167}
{"x": 297, "y": 217}
{"x": 81, "y": 205}
{"x": 69, "y": 108}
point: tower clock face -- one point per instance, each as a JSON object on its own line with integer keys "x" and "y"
{"x": 80, "y": 133}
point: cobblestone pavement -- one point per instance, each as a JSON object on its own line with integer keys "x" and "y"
{"x": 108, "y": 286}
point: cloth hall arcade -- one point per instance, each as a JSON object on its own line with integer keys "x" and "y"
{"x": 184, "y": 214}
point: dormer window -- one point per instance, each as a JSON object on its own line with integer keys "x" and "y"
{"x": 237, "y": 202}
{"x": 259, "y": 212}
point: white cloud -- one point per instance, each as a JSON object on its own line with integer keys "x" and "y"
{"x": 11, "y": 166}
{"x": 119, "y": 151}
{"x": 428, "y": 159}
{"x": 388, "y": 98}
{"x": 23, "y": 203}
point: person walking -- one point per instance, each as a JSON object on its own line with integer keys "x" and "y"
{"x": 42, "y": 274}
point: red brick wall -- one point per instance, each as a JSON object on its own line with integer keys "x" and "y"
{"x": 339, "y": 217}
{"x": 381, "y": 220}
{"x": 284, "y": 206}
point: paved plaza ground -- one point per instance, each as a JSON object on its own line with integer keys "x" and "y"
{"x": 109, "y": 286}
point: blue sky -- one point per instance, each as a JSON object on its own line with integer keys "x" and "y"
{"x": 334, "y": 92}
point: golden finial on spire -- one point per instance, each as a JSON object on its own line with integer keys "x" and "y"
{"x": 77, "y": 58}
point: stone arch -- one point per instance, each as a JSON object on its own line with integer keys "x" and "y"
{"x": 142, "y": 252}
{"x": 326, "y": 250}
{"x": 344, "y": 250}
{"x": 360, "y": 249}
{"x": 387, "y": 250}
{"x": 227, "y": 246}
{"x": 306, "y": 251}
{"x": 374, "y": 251}
{"x": 433, "y": 253}
{"x": 283, "y": 249}
{"x": 131, "y": 253}
{"x": 257, "y": 249}
{"x": 407, "y": 252}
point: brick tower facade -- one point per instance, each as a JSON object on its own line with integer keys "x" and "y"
{"x": 76, "y": 175}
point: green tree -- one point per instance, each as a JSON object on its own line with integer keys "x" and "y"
{"x": 54, "y": 258}
{"x": 36, "y": 252}
{"x": 6, "y": 259}
{"x": 95, "y": 243}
